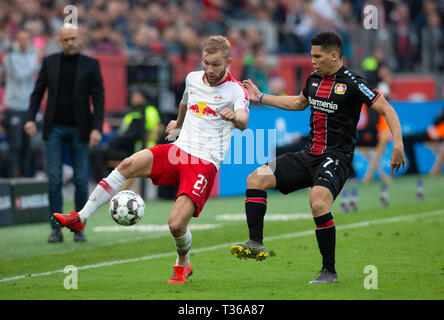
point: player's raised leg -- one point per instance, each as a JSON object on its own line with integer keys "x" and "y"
{"x": 261, "y": 180}
{"x": 181, "y": 213}
{"x": 137, "y": 165}
{"x": 321, "y": 200}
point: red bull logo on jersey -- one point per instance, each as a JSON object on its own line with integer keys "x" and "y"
{"x": 201, "y": 109}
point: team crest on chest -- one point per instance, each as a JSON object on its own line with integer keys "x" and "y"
{"x": 217, "y": 98}
{"x": 340, "y": 88}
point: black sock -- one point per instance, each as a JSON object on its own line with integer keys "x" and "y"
{"x": 326, "y": 236}
{"x": 255, "y": 208}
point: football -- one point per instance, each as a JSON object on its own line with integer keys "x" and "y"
{"x": 126, "y": 207}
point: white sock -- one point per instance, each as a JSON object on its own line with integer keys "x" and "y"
{"x": 183, "y": 244}
{"x": 102, "y": 194}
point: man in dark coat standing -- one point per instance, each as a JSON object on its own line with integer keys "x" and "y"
{"x": 72, "y": 79}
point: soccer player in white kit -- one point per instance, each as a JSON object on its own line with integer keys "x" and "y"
{"x": 212, "y": 105}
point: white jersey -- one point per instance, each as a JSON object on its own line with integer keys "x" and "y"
{"x": 204, "y": 134}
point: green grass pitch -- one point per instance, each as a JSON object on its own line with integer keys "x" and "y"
{"x": 404, "y": 242}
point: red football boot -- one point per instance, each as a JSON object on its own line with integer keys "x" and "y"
{"x": 181, "y": 274}
{"x": 72, "y": 221}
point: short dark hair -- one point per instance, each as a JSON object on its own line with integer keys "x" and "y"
{"x": 329, "y": 41}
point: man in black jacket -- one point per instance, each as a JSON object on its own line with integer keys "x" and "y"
{"x": 71, "y": 79}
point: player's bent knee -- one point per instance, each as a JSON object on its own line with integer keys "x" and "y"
{"x": 125, "y": 167}
{"x": 262, "y": 179}
{"x": 254, "y": 181}
{"x": 320, "y": 202}
{"x": 180, "y": 215}
{"x": 319, "y": 206}
{"x": 137, "y": 165}
{"x": 175, "y": 227}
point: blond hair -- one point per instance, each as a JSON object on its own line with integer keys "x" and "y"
{"x": 214, "y": 44}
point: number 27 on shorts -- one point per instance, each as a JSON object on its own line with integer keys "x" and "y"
{"x": 200, "y": 185}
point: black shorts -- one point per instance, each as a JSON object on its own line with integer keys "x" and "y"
{"x": 298, "y": 170}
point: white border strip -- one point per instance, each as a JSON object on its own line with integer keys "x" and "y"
{"x": 226, "y": 245}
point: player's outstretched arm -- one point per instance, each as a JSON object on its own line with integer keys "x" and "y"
{"x": 386, "y": 110}
{"x": 293, "y": 103}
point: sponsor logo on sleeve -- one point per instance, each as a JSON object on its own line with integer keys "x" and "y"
{"x": 366, "y": 91}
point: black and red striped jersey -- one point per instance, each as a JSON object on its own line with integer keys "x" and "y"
{"x": 335, "y": 104}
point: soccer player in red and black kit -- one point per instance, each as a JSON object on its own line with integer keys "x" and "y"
{"x": 335, "y": 96}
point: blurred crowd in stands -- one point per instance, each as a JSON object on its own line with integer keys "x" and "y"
{"x": 409, "y": 35}
{"x": 147, "y": 27}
